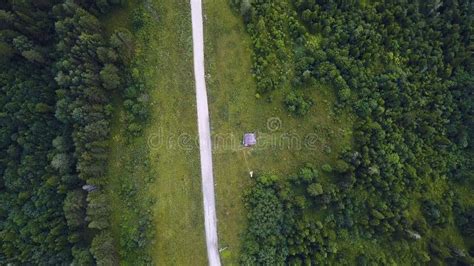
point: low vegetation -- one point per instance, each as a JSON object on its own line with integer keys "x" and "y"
{"x": 153, "y": 179}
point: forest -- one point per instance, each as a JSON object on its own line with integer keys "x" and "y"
{"x": 402, "y": 193}
{"x": 58, "y": 75}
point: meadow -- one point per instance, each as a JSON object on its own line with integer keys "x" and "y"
{"x": 285, "y": 143}
{"x": 164, "y": 61}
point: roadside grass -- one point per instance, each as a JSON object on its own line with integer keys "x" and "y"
{"x": 166, "y": 154}
{"x": 285, "y": 143}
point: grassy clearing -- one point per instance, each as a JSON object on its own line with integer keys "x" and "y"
{"x": 285, "y": 142}
{"x": 165, "y": 151}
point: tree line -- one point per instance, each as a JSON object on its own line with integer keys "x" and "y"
{"x": 58, "y": 74}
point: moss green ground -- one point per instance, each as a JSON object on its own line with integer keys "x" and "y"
{"x": 285, "y": 142}
{"x": 164, "y": 59}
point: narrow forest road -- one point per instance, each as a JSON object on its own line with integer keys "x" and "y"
{"x": 204, "y": 136}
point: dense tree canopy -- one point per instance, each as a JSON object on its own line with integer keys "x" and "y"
{"x": 57, "y": 76}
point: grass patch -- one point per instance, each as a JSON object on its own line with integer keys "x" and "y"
{"x": 163, "y": 55}
{"x": 285, "y": 142}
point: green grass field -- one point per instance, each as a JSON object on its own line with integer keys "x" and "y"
{"x": 285, "y": 142}
{"x": 164, "y": 59}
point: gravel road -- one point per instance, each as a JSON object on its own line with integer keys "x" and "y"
{"x": 204, "y": 136}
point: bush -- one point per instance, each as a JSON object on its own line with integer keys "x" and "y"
{"x": 297, "y": 104}
{"x": 315, "y": 189}
{"x": 138, "y": 19}
{"x": 326, "y": 168}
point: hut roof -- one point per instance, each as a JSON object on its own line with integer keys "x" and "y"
{"x": 249, "y": 139}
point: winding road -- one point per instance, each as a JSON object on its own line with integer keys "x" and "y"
{"x": 205, "y": 147}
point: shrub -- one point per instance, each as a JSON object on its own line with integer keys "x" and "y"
{"x": 326, "y": 168}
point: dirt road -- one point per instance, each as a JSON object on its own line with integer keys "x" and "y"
{"x": 204, "y": 136}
